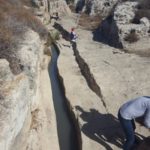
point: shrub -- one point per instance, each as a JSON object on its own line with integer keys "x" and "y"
{"x": 132, "y": 37}
{"x": 55, "y": 35}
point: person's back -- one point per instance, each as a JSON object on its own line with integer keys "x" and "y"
{"x": 136, "y": 108}
{"x": 132, "y": 109}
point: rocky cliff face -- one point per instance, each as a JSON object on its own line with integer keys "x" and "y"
{"x": 48, "y": 7}
{"x": 96, "y": 7}
{"x": 119, "y": 29}
{"x": 19, "y": 94}
{"x": 102, "y": 8}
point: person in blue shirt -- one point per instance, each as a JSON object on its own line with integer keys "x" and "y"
{"x": 138, "y": 107}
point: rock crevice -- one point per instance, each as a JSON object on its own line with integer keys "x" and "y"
{"x": 85, "y": 70}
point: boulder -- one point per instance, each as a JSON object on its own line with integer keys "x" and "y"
{"x": 116, "y": 29}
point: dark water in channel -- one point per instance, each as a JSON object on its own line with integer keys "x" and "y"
{"x": 66, "y": 130}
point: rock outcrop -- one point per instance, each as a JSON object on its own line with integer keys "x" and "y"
{"x": 119, "y": 30}
{"x": 101, "y": 8}
{"x": 45, "y": 8}
{"x": 27, "y": 116}
{"x": 19, "y": 94}
{"x": 96, "y": 7}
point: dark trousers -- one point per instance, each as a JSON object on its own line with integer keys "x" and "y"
{"x": 128, "y": 128}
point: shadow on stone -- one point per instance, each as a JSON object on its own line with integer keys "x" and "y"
{"x": 79, "y": 6}
{"x": 145, "y": 145}
{"x": 108, "y": 33}
{"x": 102, "y": 128}
{"x": 65, "y": 34}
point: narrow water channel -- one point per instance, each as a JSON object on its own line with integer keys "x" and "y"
{"x": 66, "y": 130}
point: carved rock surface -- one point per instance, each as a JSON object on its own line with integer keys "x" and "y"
{"x": 48, "y": 7}
{"x": 18, "y": 93}
{"x": 116, "y": 77}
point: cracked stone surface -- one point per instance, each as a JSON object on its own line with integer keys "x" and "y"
{"x": 119, "y": 75}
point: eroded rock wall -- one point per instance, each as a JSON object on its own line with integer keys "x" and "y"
{"x": 19, "y": 94}
{"x": 102, "y": 8}
{"x": 47, "y": 7}
{"x": 96, "y": 7}
{"x": 115, "y": 29}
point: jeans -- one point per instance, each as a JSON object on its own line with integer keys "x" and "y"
{"x": 128, "y": 128}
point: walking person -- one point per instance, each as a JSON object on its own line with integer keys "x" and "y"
{"x": 138, "y": 107}
{"x": 73, "y": 38}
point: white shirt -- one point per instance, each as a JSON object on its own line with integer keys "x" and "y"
{"x": 136, "y": 108}
{"x": 74, "y": 36}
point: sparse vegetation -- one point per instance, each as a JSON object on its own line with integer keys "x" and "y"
{"x": 89, "y": 22}
{"x": 14, "y": 21}
{"x": 132, "y": 37}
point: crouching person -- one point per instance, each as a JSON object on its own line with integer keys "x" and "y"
{"x": 128, "y": 112}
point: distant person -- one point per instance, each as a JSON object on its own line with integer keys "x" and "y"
{"x": 73, "y": 38}
{"x": 139, "y": 107}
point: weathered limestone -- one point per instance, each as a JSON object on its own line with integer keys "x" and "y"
{"x": 118, "y": 25}
{"x": 27, "y": 117}
{"x": 103, "y": 7}
{"x": 120, "y": 77}
{"x": 43, "y": 129}
{"x": 59, "y": 6}
{"x": 47, "y": 7}
{"x": 14, "y": 103}
{"x": 18, "y": 92}
{"x": 97, "y": 7}
{"x": 5, "y": 72}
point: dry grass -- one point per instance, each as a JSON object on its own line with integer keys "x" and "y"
{"x": 14, "y": 21}
{"x": 89, "y": 22}
{"x": 132, "y": 37}
{"x": 36, "y": 122}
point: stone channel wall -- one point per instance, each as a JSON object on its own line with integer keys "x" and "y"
{"x": 19, "y": 93}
